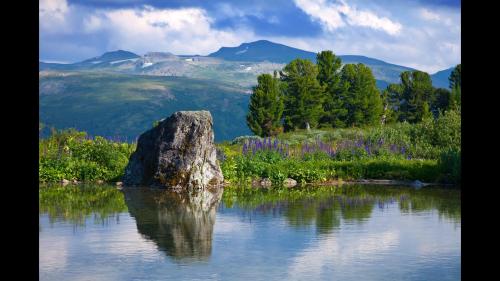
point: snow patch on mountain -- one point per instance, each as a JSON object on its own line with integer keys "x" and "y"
{"x": 242, "y": 51}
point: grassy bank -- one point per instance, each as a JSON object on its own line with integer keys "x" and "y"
{"x": 72, "y": 155}
{"x": 428, "y": 151}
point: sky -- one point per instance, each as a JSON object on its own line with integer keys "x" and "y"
{"x": 422, "y": 34}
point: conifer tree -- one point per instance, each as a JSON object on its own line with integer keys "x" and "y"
{"x": 265, "y": 107}
{"x": 303, "y": 95}
{"x": 329, "y": 67}
{"x": 414, "y": 91}
{"x": 361, "y": 97}
{"x": 456, "y": 87}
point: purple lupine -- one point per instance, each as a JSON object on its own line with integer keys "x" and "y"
{"x": 380, "y": 142}
{"x": 367, "y": 149}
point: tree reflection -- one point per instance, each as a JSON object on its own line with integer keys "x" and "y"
{"x": 180, "y": 224}
{"x": 325, "y": 207}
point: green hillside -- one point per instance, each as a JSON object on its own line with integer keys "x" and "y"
{"x": 121, "y": 105}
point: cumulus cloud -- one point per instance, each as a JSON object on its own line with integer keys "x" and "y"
{"x": 336, "y": 15}
{"x": 181, "y": 31}
{"x": 410, "y": 34}
{"x": 52, "y": 15}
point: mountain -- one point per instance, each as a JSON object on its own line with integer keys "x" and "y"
{"x": 440, "y": 78}
{"x": 121, "y": 93}
{"x": 262, "y": 50}
{"x": 240, "y": 65}
{"x": 109, "y": 58}
{"x": 123, "y": 105}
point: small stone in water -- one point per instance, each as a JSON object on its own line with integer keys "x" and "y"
{"x": 265, "y": 182}
{"x": 289, "y": 182}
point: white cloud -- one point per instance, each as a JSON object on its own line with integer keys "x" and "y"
{"x": 92, "y": 23}
{"x": 429, "y": 40}
{"x": 52, "y": 15}
{"x": 181, "y": 31}
{"x": 339, "y": 250}
{"x": 331, "y": 16}
{"x": 429, "y": 15}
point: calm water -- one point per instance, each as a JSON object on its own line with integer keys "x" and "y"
{"x": 328, "y": 233}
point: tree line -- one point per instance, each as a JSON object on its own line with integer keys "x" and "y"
{"x": 305, "y": 95}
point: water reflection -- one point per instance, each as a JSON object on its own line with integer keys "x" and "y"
{"x": 180, "y": 224}
{"x": 327, "y": 206}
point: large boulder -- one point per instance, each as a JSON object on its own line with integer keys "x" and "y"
{"x": 178, "y": 153}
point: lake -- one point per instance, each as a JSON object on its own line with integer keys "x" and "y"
{"x": 351, "y": 232}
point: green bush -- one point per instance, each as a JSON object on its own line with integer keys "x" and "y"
{"x": 450, "y": 165}
{"x": 70, "y": 155}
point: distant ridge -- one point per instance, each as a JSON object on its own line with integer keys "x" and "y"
{"x": 262, "y": 50}
{"x": 440, "y": 78}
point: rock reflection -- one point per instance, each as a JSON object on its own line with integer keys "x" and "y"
{"x": 180, "y": 224}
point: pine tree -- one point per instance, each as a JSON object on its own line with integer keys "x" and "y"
{"x": 329, "y": 67}
{"x": 266, "y": 107}
{"x": 303, "y": 95}
{"x": 361, "y": 97}
{"x": 456, "y": 87}
{"x": 442, "y": 101}
{"x": 414, "y": 91}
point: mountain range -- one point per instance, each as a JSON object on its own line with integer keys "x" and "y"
{"x": 121, "y": 93}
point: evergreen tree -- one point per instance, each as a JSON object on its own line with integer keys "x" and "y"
{"x": 361, "y": 97}
{"x": 414, "y": 92}
{"x": 389, "y": 115}
{"x": 303, "y": 95}
{"x": 266, "y": 107}
{"x": 442, "y": 101}
{"x": 455, "y": 78}
{"x": 329, "y": 67}
{"x": 456, "y": 87}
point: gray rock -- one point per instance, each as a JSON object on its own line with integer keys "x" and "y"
{"x": 179, "y": 153}
{"x": 266, "y": 182}
{"x": 64, "y": 182}
{"x": 289, "y": 182}
{"x": 417, "y": 184}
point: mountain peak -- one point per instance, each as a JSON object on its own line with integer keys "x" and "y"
{"x": 262, "y": 50}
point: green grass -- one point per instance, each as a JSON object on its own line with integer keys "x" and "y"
{"x": 432, "y": 146}
{"x": 71, "y": 155}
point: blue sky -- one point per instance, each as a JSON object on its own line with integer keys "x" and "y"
{"x": 415, "y": 33}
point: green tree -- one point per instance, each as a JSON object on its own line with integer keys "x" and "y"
{"x": 456, "y": 87}
{"x": 265, "y": 107}
{"x": 362, "y": 99}
{"x": 415, "y": 95}
{"x": 389, "y": 115}
{"x": 455, "y": 78}
{"x": 442, "y": 99}
{"x": 329, "y": 67}
{"x": 303, "y": 95}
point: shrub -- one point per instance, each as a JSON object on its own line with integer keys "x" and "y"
{"x": 70, "y": 154}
